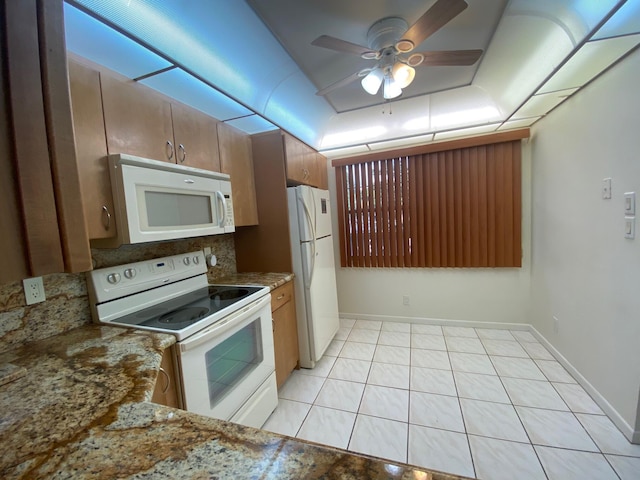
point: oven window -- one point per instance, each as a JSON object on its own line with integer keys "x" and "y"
{"x": 230, "y": 361}
{"x": 177, "y": 209}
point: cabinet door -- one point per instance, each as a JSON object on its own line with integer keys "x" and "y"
{"x": 285, "y": 334}
{"x": 319, "y": 175}
{"x": 196, "y": 138}
{"x": 167, "y": 390}
{"x": 236, "y": 160}
{"x": 137, "y": 120}
{"x": 294, "y": 158}
{"x": 91, "y": 150}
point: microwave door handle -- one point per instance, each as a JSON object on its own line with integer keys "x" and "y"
{"x": 223, "y": 201}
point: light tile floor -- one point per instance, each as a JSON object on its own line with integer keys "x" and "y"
{"x": 484, "y": 403}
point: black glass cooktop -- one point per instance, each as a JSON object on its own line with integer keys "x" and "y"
{"x": 190, "y": 308}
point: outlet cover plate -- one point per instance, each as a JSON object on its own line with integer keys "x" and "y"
{"x": 33, "y": 290}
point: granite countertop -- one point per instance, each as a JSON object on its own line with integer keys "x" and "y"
{"x": 271, "y": 280}
{"x": 81, "y": 409}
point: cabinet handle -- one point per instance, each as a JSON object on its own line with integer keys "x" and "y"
{"x": 106, "y": 213}
{"x": 280, "y": 297}
{"x": 168, "y": 378}
{"x": 169, "y": 149}
{"x": 306, "y": 173}
{"x": 184, "y": 153}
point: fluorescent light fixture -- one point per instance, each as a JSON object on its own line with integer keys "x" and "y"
{"x": 418, "y": 123}
{"x": 353, "y": 136}
{"x": 372, "y": 81}
{"x": 465, "y": 117}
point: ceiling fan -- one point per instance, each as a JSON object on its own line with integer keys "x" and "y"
{"x": 391, "y": 42}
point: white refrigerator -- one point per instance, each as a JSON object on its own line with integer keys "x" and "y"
{"x": 314, "y": 268}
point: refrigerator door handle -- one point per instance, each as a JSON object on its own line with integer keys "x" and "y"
{"x": 307, "y": 214}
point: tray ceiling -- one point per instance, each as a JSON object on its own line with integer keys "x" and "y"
{"x": 251, "y": 63}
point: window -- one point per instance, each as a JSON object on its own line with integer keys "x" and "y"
{"x": 459, "y": 207}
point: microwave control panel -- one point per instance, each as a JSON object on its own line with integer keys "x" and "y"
{"x": 228, "y": 219}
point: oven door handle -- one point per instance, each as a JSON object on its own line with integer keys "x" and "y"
{"x": 231, "y": 321}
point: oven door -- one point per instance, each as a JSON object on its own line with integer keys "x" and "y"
{"x": 225, "y": 364}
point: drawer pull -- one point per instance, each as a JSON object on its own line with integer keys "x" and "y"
{"x": 280, "y": 297}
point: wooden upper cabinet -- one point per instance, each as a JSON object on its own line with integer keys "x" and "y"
{"x": 196, "y": 138}
{"x": 137, "y": 120}
{"x": 304, "y": 165}
{"x": 294, "y": 159}
{"x": 91, "y": 150}
{"x": 236, "y": 160}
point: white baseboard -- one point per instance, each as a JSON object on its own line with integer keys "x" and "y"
{"x": 436, "y": 321}
{"x": 627, "y": 430}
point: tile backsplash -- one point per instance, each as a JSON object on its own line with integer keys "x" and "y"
{"x": 67, "y": 303}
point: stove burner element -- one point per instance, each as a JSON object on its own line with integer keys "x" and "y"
{"x": 151, "y": 312}
{"x": 228, "y": 294}
{"x": 186, "y": 314}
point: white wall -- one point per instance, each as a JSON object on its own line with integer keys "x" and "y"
{"x": 583, "y": 269}
{"x": 479, "y": 295}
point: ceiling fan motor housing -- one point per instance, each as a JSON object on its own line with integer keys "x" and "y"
{"x": 386, "y": 33}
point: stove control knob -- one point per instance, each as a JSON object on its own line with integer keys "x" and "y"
{"x": 130, "y": 273}
{"x": 186, "y": 260}
{"x": 196, "y": 260}
{"x": 113, "y": 278}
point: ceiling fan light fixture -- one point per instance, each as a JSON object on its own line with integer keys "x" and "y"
{"x": 404, "y": 46}
{"x": 415, "y": 59}
{"x": 403, "y": 74}
{"x": 372, "y": 81}
{"x": 391, "y": 88}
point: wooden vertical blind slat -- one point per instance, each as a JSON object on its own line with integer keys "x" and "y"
{"x": 458, "y": 208}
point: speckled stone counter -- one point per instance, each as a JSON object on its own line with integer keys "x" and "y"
{"x": 272, "y": 280}
{"x": 81, "y": 410}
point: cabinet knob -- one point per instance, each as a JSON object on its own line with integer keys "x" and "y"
{"x": 182, "y": 157}
{"x": 169, "y": 149}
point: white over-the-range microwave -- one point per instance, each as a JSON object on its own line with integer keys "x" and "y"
{"x": 155, "y": 201}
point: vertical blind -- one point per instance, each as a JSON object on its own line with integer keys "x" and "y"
{"x": 454, "y": 208}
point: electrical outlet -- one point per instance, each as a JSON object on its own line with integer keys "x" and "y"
{"x": 556, "y": 325}
{"x": 405, "y": 300}
{"x": 33, "y": 290}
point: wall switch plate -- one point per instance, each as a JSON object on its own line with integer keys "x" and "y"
{"x": 606, "y": 188}
{"x": 405, "y": 300}
{"x": 630, "y": 203}
{"x": 556, "y": 325}
{"x": 33, "y": 290}
{"x": 629, "y": 227}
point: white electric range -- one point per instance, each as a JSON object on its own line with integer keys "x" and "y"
{"x": 224, "y": 333}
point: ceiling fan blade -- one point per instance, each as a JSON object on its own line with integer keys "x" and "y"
{"x": 340, "y": 83}
{"x": 433, "y": 19}
{"x": 333, "y": 43}
{"x": 450, "y": 57}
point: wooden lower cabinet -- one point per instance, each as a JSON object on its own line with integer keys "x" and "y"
{"x": 285, "y": 331}
{"x": 167, "y": 390}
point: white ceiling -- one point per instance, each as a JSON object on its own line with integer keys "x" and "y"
{"x": 258, "y": 70}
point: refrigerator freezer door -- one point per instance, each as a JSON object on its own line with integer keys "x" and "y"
{"x": 313, "y": 212}
{"x": 321, "y": 298}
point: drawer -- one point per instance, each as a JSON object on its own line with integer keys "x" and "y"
{"x": 281, "y": 295}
